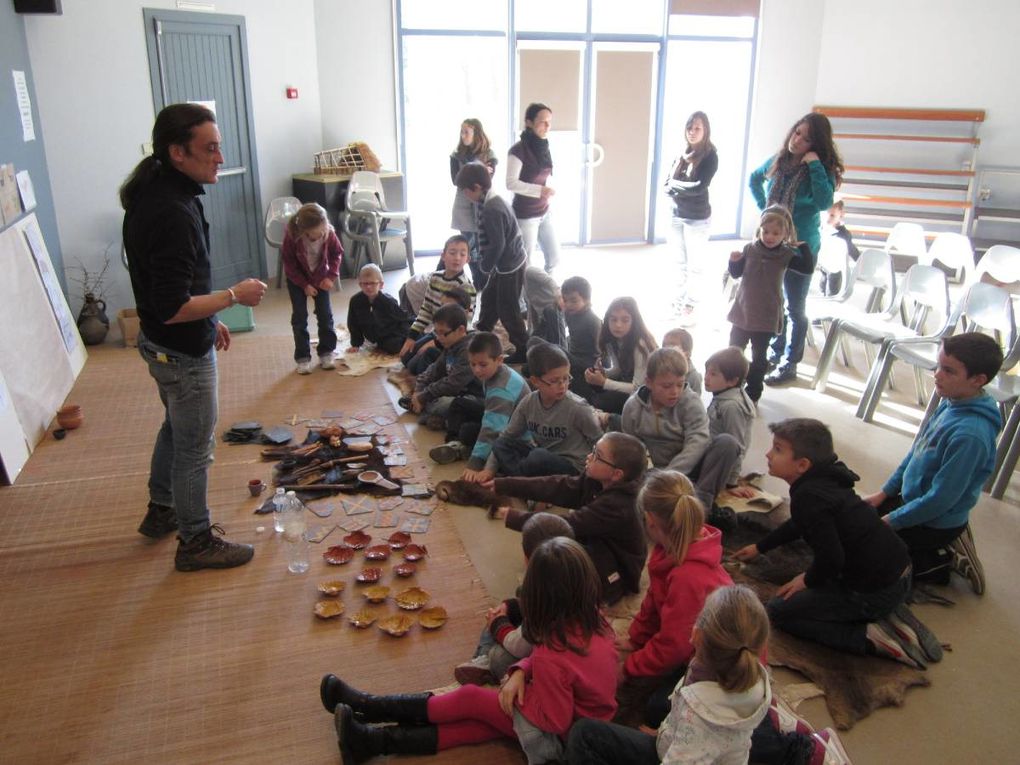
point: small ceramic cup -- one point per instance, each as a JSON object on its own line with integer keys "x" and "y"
{"x": 256, "y": 486}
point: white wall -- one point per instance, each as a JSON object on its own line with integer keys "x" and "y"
{"x": 927, "y": 53}
{"x": 95, "y": 104}
{"x": 356, "y": 67}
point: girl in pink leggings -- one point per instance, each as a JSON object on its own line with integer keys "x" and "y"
{"x": 570, "y": 674}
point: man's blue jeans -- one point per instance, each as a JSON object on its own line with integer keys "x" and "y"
{"x": 179, "y": 471}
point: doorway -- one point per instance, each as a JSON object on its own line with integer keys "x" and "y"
{"x": 602, "y": 95}
{"x": 201, "y": 57}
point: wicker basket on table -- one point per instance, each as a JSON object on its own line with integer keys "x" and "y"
{"x": 346, "y": 160}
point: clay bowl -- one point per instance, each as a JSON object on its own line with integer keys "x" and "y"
{"x": 70, "y": 416}
{"x": 405, "y": 569}
{"x": 332, "y": 586}
{"x": 412, "y": 598}
{"x": 415, "y": 552}
{"x": 432, "y": 618}
{"x": 327, "y": 609}
{"x": 362, "y": 619}
{"x": 337, "y": 555}
{"x": 396, "y": 625}
{"x": 399, "y": 540}
{"x": 358, "y": 539}
{"x": 377, "y": 593}
{"x": 377, "y": 552}
{"x": 369, "y": 575}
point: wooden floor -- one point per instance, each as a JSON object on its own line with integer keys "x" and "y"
{"x": 111, "y": 656}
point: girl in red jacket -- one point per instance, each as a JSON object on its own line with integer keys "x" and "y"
{"x": 685, "y": 568}
{"x": 571, "y": 673}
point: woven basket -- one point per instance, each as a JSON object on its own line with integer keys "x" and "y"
{"x": 346, "y": 160}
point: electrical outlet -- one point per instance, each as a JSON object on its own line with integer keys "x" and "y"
{"x": 984, "y": 194}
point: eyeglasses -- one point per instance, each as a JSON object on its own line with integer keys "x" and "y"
{"x": 560, "y": 382}
{"x": 599, "y": 458}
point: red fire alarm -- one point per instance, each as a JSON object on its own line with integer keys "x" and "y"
{"x": 291, "y": 92}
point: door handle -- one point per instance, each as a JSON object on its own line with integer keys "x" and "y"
{"x": 240, "y": 170}
{"x": 592, "y": 148}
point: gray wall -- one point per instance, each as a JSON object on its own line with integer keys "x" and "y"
{"x": 25, "y": 155}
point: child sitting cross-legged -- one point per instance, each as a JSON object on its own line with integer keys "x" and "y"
{"x": 861, "y": 570}
{"x": 425, "y": 350}
{"x": 502, "y": 642}
{"x": 551, "y": 431}
{"x": 571, "y": 673}
{"x": 583, "y": 328}
{"x": 374, "y": 316}
{"x": 449, "y": 376}
{"x": 602, "y": 514}
{"x": 731, "y": 410}
{"x": 672, "y": 422}
{"x": 473, "y": 424}
{"x": 456, "y": 254}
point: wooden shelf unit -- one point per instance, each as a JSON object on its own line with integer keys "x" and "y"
{"x": 911, "y": 165}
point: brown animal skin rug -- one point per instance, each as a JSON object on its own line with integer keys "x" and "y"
{"x": 854, "y": 686}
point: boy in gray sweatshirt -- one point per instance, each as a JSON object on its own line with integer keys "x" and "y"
{"x": 552, "y": 430}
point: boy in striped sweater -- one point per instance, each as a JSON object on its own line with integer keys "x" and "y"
{"x": 456, "y": 254}
{"x": 473, "y": 424}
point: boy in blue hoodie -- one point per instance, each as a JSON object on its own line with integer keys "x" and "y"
{"x": 928, "y": 498}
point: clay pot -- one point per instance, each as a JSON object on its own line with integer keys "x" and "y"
{"x": 93, "y": 323}
{"x": 70, "y": 417}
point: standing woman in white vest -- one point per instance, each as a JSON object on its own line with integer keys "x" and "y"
{"x": 528, "y": 168}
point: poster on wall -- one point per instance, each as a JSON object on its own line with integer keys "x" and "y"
{"x": 24, "y": 105}
{"x": 27, "y": 190}
{"x": 68, "y": 329}
{"x": 10, "y": 204}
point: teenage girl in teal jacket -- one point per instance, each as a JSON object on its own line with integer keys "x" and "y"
{"x": 801, "y": 177}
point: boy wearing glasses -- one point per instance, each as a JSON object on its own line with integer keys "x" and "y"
{"x": 375, "y": 316}
{"x": 449, "y": 376}
{"x": 552, "y": 430}
{"x": 602, "y": 514}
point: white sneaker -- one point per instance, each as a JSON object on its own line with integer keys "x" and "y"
{"x": 327, "y": 362}
{"x": 304, "y": 367}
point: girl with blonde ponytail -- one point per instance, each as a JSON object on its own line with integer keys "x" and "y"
{"x": 685, "y": 567}
{"x": 720, "y": 700}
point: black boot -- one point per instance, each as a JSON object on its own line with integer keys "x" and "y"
{"x": 359, "y": 743}
{"x": 405, "y": 708}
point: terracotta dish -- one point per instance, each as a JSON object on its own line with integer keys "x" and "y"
{"x": 363, "y": 618}
{"x": 358, "y": 539}
{"x": 377, "y": 552}
{"x": 377, "y": 593}
{"x": 432, "y": 618}
{"x": 415, "y": 552}
{"x": 338, "y": 554}
{"x": 327, "y": 609}
{"x": 396, "y": 625}
{"x": 369, "y": 575}
{"x": 399, "y": 540}
{"x": 405, "y": 569}
{"x": 412, "y": 598}
{"x": 332, "y": 586}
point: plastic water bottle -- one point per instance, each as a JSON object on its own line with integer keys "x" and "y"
{"x": 294, "y": 528}
{"x": 279, "y": 508}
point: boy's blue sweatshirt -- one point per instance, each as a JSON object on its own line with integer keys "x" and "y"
{"x": 503, "y": 392}
{"x": 941, "y": 477}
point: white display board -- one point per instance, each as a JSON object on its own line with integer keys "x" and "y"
{"x": 41, "y": 352}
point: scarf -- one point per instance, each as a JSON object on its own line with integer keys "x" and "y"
{"x": 786, "y": 179}
{"x": 537, "y": 146}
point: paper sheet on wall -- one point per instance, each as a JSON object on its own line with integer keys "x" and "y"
{"x": 10, "y": 204}
{"x": 27, "y": 190}
{"x": 24, "y": 105}
{"x": 68, "y": 329}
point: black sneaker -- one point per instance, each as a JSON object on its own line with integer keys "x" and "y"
{"x": 451, "y": 451}
{"x": 207, "y": 550}
{"x": 159, "y": 521}
{"x": 782, "y": 375}
{"x": 909, "y": 627}
{"x": 965, "y": 561}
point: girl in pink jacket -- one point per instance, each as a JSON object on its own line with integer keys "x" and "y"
{"x": 685, "y": 567}
{"x": 570, "y": 674}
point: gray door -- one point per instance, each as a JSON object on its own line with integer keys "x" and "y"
{"x": 203, "y": 57}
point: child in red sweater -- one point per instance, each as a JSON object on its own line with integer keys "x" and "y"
{"x": 685, "y": 568}
{"x": 570, "y": 674}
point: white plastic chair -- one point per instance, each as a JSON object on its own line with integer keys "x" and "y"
{"x": 953, "y": 251}
{"x": 278, "y": 213}
{"x": 983, "y": 307}
{"x": 925, "y": 289}
{"x": 1001, "y": 264}
{"x": 907, "y": 239}
{"x": 367, "y": 222}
